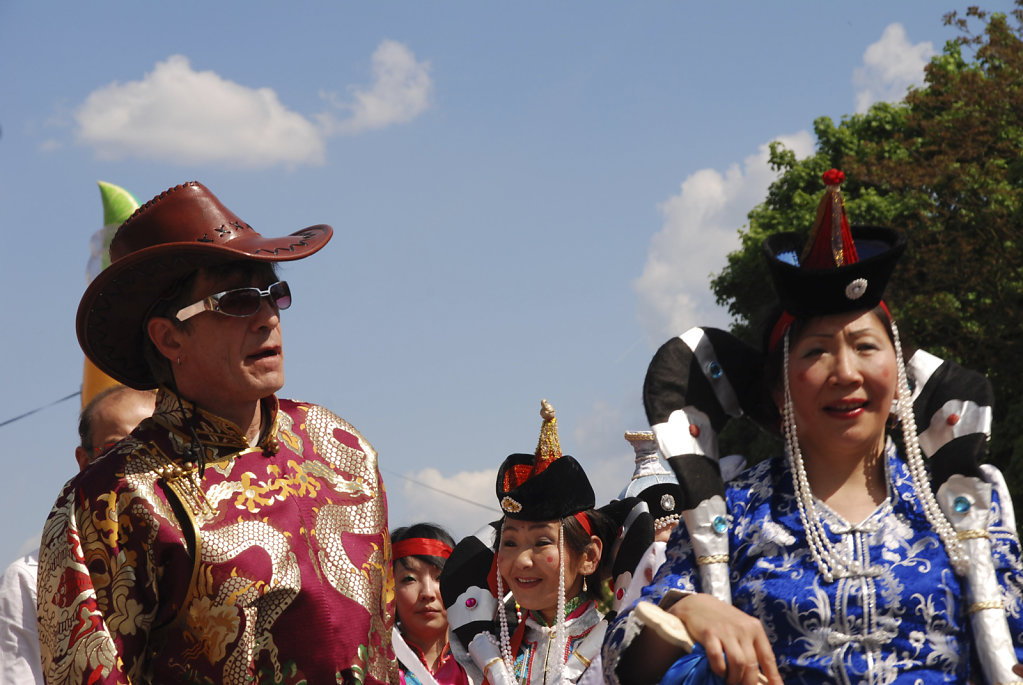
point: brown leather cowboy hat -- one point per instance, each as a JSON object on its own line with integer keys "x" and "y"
{"x": 166, "y": 239}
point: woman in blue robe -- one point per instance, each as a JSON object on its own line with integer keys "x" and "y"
{"x": 846, "y": 560}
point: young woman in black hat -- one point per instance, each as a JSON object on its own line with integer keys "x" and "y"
{"x": 846, "y": 560}
{"x": 550, "y": 548}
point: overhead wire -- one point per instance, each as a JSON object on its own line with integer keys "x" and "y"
{"x": 39, "y": 409}
{"x": 443, "y": 492}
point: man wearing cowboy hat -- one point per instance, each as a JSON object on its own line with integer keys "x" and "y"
{"x": 234, "y": 537}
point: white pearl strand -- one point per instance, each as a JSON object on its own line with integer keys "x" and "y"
{"x": 560, "y": 633}
{"x": 827, "y": 558}
{"x": 921, "y": 482}
{"x": 506, "y": 655}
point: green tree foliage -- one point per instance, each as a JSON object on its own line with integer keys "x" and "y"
{"x": 946, "y": 167}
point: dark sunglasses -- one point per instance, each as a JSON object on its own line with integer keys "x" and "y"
{"x": 239, "y": 301}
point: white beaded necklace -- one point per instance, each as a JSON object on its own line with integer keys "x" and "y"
{"x": 921, "y": 483}
{"x": 830, "y": 562}
{"x": 560, "y": 633}
{"x": 506, "y": 655}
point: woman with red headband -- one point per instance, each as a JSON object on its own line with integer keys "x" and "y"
{"x": 550, "y": 545}
{"x": 849, "y": 559}
{"x": 418, "y": 554}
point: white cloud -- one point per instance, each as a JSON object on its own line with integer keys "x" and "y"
{"x": 184, "y": 116}
{"x": 890, "y": 67}
{"x": 401, "y": 91}
{"x": 429, "y": 495}
{"x": 180, "y": 115}
{"x": 701, "y": 225}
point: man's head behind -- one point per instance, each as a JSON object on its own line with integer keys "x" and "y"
{"x": 109, "y": 417}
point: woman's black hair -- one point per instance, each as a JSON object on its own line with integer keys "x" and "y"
{"x": 430, "y": 531}
{"x": 576, "y": 539}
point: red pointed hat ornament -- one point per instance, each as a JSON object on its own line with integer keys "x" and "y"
{"x": 545, "y": 485}
{"x": 840, "y": 269}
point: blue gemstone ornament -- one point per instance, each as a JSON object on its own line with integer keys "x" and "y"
{"x": 961, "y": 504}
{"x": 720, "y": 525}
{"x": 715, "y": 370}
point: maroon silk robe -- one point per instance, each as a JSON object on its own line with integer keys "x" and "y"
{"x": 273, "y": 567}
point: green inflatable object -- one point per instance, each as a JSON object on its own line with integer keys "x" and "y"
{"x": 118, "y": 205}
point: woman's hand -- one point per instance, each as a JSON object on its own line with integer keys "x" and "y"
{"x": 737, "y": 646}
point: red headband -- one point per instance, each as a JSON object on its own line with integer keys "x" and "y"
{"x": 584, "y": 521}
{"x": 420, "y": 546}
{"x": 780, "y": 326}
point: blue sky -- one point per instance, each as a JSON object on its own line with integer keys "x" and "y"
{"x": 528, "y": 199}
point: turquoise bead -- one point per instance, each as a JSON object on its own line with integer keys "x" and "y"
{"x": 961, "y": 504}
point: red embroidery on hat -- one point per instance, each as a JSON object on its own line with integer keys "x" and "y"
{"x": 516, "y": 476}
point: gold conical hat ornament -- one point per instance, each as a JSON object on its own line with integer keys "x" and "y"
{"x": 545, "y": 485}
{"x": 548, "y": 448}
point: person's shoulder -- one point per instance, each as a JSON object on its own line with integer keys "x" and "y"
{"x": 319, "y": 419}
{"x": 23, "y": 567}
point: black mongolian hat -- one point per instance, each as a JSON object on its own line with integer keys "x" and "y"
{"x": 841, "y": 269}
{"x": 181, "y": 230}
{"x": 544, "y": 486}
